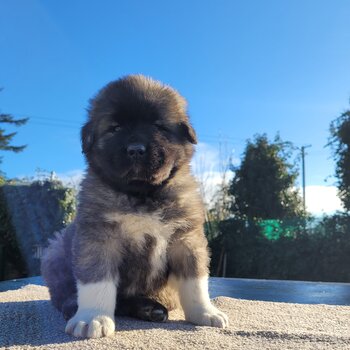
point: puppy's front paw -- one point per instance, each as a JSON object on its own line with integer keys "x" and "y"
{"x": 208, "y": 316}
{"x": 91, "y": 324}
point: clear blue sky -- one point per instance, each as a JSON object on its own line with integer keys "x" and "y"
{"x": 245, "y": 67}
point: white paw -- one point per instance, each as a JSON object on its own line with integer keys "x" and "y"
{"x": 208, "y": 316}
{"x": 91, "y": 324}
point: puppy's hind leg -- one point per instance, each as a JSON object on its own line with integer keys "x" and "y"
{"x": 138, "y": 307}
{"x": 141, "y": 307}
{"x": 70, "y": 307}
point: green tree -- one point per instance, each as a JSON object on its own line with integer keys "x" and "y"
{"x": 263, "y": 186}
{"x": 7, "y": 138}
{"x": 340, "y": 144}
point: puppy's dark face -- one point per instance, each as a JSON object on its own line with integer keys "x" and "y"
{"x": 138, "y": 134}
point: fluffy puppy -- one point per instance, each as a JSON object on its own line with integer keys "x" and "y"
{"x": 137, "y": 244}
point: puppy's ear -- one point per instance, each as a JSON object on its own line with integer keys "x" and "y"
{"x": 87, "y": 137}
{"x": 188, "y": 131}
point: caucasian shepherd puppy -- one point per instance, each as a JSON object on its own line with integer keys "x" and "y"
{"x": 136, "y": 246}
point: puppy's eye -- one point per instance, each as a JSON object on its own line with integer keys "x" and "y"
{"x": 161, "y": 127}
{"x": 115, "y": 128}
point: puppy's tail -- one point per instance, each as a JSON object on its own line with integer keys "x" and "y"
{"x": 56, "y": 269}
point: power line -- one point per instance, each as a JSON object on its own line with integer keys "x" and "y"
{"x": 66, "y": 121}
{"x": 223, "y": 138}
{"x": 71, "y": 124}
{"x": 55, "y": 125}
{"x": 63, "y": 123}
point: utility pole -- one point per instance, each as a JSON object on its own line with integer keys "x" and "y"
{"x": 303, "y": 172}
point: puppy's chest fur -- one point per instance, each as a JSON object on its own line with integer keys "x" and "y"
{"x": 143, "y": 238}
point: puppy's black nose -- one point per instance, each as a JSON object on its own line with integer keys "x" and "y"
{"x": 136, "y": 150}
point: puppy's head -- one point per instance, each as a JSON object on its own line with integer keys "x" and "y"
{"x": 138, "y": 133}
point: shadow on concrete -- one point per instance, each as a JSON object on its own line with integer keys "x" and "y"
{"x": 38, "y": 323}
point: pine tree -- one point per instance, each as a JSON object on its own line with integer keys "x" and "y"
{"x": 340, "y": 143}
{"x": 263, "y": 186}
{"x": 6, "y": 138}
